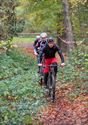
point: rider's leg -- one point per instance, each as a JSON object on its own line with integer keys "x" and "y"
{"x": 39, "y": 68}
{"x": 46, "y": 70}
{"x": 37, "y": 63}
{"x": 54, "y": 62}
{"x": 55, "y": 68}
{"x": 45, "y": 78}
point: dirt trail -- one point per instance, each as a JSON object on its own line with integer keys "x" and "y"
{"x": 24, "y": 44}
{"x": 27, "y": 47}
{"x": 63, "y": 111}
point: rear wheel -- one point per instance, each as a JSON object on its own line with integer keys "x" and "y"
{"x": 41, "y": 82}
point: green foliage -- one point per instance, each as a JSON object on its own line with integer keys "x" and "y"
{"x": 27, "y": 119}
{"x": 7, "y": 19}
{"x": 9, "y": 24}
{"x": 43, "y": 16}
{"x": 79, "y": 17}
{"x": 20, "y": 94}
{"x": 48, "y": 16}
{"x": 23, "y": 39}
{"x": 75, "y": 72}
{"x": 20, "y": 25}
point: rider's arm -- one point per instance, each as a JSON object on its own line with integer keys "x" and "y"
{"x": 35, "y": 51}
{"x": 34, "y": 46}
{"x": 40, "y": 56}
{"x": 35, "y": 42}
{"x": 60, "y": 54}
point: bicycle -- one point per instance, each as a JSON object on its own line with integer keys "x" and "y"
{"x": 51, "y": 82}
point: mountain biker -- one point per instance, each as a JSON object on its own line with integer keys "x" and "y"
{"x": 36, "y": 45}
{"x": 49, "y": 52}
{"x": 39, "y": 44}
{"x": 43, "y": 40}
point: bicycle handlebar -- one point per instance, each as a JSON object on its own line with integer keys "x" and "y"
{"x": 50, "y": 65}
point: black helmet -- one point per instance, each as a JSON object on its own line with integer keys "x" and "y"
{"x": 50, "y": 40}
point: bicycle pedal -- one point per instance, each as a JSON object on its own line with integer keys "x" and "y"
{"x": 56, "y": 80}
{"x": 45, "y": 87}
{"x": 46, "y": 90}
{"x": 52, "y": 100}
{"x": 50, "y": 87}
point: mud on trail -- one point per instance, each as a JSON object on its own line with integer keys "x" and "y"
{"x": 64, "y": 111}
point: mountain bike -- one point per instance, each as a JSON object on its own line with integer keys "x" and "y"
{"x": 51, "y": 82}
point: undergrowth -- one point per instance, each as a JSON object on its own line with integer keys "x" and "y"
{"x": 75, "y": 72}
{"x": 20, "y": 94}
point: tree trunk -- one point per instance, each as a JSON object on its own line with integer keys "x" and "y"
{"x": 68, "y": 26}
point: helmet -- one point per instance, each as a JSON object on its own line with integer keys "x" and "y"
{"x": 43, "y": 35}
{"x": 37, "y": 37}
{"x": 50, "y": 40}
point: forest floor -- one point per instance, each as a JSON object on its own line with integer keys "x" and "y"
{"x": 67, "y": 110}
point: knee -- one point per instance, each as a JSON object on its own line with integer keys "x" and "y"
{"x": 46, "y": 75}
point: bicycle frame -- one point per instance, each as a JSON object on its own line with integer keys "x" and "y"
{"x": 51, "y": 82}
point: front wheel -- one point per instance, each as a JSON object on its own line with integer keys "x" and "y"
{"x": 51, "y": 85}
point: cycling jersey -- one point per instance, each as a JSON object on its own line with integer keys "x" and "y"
{"x": 39, "y": 45}
{"x": 50, "y": 53}
{"x": 36, "y": 45}
{"x": 43, "y": 44}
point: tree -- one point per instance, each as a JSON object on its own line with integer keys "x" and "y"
{"x": 42, "y": 16}
{"x": 68, "y": 26}
{"x": 9, "y": 24}
{"x": 8, "y": 19}
{"x": 79, "y": 18}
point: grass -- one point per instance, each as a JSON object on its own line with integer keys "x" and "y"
{"x": 20, "y": 94}
{"x": 23, "y": 39}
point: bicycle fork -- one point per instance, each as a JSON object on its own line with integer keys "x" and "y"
{"x": 52, "y": 86}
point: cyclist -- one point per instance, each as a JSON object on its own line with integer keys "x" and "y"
{"x": 36, "y": 45}
{"x": 39, "y": 44}
{"x": 49, "y": 52}
{"x": 43, "y": 40}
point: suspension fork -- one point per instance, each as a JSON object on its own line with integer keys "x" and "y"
{"x": 51, "y": 79}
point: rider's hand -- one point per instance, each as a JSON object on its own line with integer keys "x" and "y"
{"x": 40, "y": 64}
{"x": 36, "y": 53}
{"x": 62, "y": 64}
